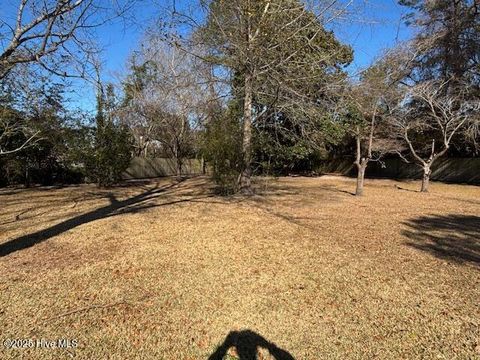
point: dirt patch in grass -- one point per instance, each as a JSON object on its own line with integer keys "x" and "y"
{"x": 303, "y": 269}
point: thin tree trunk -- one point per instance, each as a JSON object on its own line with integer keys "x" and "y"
{"x": 245, "y": 177}
{"x": 145, "y": 155}
{"x": 178, "y": 161}
{"x": 426, "y": 177}
{"x": 179, "y": 168}
{"x": 204, "y": 166}
{"x": 27, "y": 175}
{"x": 361, "y": 162}
{"x": 362, "y": 166}
{"x": 427, "y": 166}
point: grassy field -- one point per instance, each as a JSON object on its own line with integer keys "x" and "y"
{"x": 303, "y": 270}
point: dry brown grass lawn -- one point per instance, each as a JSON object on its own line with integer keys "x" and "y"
{"x": 167, "y": 270}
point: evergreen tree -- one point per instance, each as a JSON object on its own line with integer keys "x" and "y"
{"x": 447, "y": 39}
{"x": 113, "y": 144}
{"x": 282, "y": 58}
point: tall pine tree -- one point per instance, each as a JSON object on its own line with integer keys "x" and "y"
{"x": 281, "y": 56}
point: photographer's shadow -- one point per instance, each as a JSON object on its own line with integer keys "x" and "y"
{"x": 247, "y": 344}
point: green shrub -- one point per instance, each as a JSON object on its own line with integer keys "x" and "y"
{"x": 222, "y": 149}
{"x": 112, "y": 154}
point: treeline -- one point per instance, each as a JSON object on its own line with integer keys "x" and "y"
{"x": 257, "y": 87}
{"x": 55, "y": 145}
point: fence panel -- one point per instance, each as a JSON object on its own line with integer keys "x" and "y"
{"x": 144, "y": 168}
{"x": 456, "y": 170}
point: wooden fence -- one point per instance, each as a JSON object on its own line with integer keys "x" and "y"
{"x": 455, "y": 170}
{"x": 144, "y": 168}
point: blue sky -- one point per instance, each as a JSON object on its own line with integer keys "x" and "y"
{"x": 376, "y": 26}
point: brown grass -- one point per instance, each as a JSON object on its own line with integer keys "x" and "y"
{"x": 303, "y": 269}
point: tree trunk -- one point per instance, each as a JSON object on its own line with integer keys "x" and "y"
{"x": 245, "y": 177}
{"x": 27, "y": 176}
{"x": 145, "y": 155}
{"x": 178, "y": 163}
{"x": 361, "y": 167}
{"x": 204, "y": 166}
{"x": 179, "y": 167}
{"x": 426, "y": 177}
{"x": 178, "y": 160}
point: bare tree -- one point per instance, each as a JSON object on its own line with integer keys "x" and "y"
{"x": 367, "y": 98}
{"x": 20, "y": 98}
{"x": 11, "y": 126}
{"x": 166, "y": 104}
{"x": 369, "y": 102}
{"x": 364, "y": 133}
{"x": 429, "y": 116}
{"x": 51, "y": 33}
{"x": 56, "y": 37}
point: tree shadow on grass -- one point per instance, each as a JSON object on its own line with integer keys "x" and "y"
{"x": 405, "y": 189}
{"x": 134, "y": 204}
{"x": 451, "y": 237}
{"x": 336, "y": 189}
{"x": 247, "y": 344}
